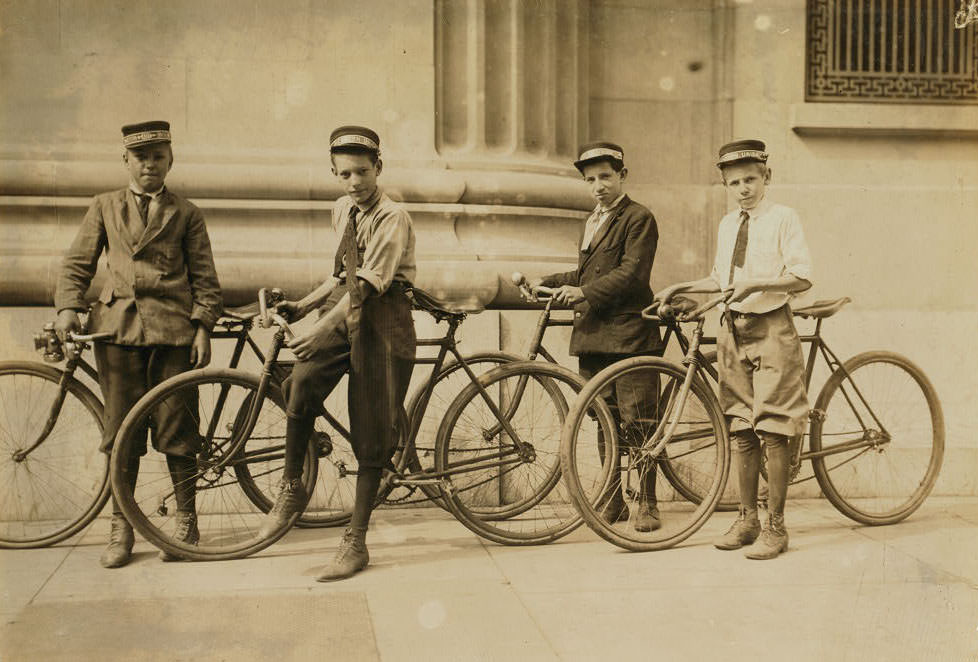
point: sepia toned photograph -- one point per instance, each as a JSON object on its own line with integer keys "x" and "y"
{"x": 422, "y": 330}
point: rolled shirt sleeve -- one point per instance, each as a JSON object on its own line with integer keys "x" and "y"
{"x": 794, "y": 248}
{"x": 385, "y": 248}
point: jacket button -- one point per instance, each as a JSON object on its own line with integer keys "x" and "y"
{"x": 597, "y": 269}
{"x": 577, "y": 314}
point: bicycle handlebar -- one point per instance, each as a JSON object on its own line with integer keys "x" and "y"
{"x": 266, "y": 318}
{"x": 87, "y": 337}
{"x": 649, "y": 313}
{"x": 520, "y": 281}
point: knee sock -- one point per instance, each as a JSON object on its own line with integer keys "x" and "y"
{"x": 183, "y": 472}
{"x": 368, "y": 481}
{"x": 132, "y": 473}
{"x": 297, "y": 433}
{"x": 778, "y": 465}
{"x": 748, "y": 468}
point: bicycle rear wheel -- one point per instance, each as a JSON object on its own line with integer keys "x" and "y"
{"x": 419, "y": 454}
{"x": 698, "y": 448}
{"x": 228, "y": 518}
{"x": 54, "y": 490}
{"x": 504, "y": 488}
{"x": 878, "y": 438}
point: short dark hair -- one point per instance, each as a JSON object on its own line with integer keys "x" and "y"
{"x": 351, "y": 149}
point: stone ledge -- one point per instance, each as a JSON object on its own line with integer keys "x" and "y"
{"x": 894, "y": 120}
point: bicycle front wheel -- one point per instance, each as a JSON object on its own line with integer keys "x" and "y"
{"x": 877, "y": 438}
{"x": 209, "y": 404}
{"x": 498, "y": 450}
{"x": 53, "y": 479}
{"x": 697, "y": 450}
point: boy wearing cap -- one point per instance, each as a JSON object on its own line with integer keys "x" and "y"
{"x": 608, "y": 290}
{"x": 762, "y": 260}
{"x": 365, "y": 329}
{"x": 161, "y": 299}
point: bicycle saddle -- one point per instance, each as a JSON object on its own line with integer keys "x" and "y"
{"x": 822, "y": 309}
{"x": 242, "y": 313}
{"x": 425, "y": 301}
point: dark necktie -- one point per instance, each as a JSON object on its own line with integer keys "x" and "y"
{"x": 142, "y": 203}
{"x": 740, "y": 247}
{"x": 350, "y": 257}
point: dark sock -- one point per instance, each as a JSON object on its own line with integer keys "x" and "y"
{"x": 297, "y": 433}
{"x": 183, "y": 472}
{"x": 778, "y": 460}
{"x": 647, "y": 486}
{"x": 132, "y": 473}
{"x": 368, "y": 481}
{"x": 748, "y": 457}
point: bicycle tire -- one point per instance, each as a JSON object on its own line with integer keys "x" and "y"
{"x": 522, "y": 503}
{"x": 66, "y": 478}
{"x": 852, "y": 488}
{"x": 684, "y": 483}
{"x": 415, "y": 458}
{"x": 587, "y": 474}
{"x": 227, "y": 519}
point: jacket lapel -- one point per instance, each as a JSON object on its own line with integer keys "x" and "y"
{"x": 158, "y": 221}
{"x": 603, "y": 231}
{"x": 120, "y": 218}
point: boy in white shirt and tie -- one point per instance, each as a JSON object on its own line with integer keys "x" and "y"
{"x": 762, "y": 260}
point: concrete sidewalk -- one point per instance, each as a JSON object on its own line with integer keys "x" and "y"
{"x": 434, "y": 591}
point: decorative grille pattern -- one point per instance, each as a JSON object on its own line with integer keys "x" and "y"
{"x": 898, "y": 51}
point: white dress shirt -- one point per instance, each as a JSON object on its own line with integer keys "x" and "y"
{"x": 775, "y": 246}
{"x": 597, "y": 218}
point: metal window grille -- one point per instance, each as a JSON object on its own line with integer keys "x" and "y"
{"x": 896, "y": 51}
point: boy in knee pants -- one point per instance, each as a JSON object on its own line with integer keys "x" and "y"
{"x": 762, "y": 259}
{"x": 161, "y": 301}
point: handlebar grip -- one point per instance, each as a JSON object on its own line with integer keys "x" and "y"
{"x": 89, "y": 337}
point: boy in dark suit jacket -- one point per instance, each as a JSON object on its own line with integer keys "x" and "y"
{"x": 161, "y": 299}
{"x": 608, "y": 290}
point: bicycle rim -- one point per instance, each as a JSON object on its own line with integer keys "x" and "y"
{"x": 516, "y": 498}
{"x": 891, "y": 407}
{"x": 61, "y": 485}
{"x": 228, "y": 521}
{"x": 698, "y": 451}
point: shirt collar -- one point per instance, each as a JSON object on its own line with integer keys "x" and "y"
{"x": 137, "y": 191}
{"x": 759, "y": 209}
{"x": 369, "y": 204}
{"x": 598, "y": 209}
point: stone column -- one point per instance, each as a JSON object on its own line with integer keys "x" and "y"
{"x": 511, "y": 82}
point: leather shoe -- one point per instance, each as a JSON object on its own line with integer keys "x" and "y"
{"x": 291, "y": 500}
{"x": 772, "y": 541}
{"x": 186, "y": 532}
{"x": 121, "y": 539}
{"x": 743, "y": 531}
{"x": 351, "y": 558}
{"x": 647, "y": 517}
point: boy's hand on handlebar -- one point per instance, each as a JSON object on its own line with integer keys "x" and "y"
{"x": 66, "y": 323}
{"x": 308, "y": 344}
{"x": 289, "y": 310}
{"x": 568, "y": 295}
{"x": 738, "y": 291}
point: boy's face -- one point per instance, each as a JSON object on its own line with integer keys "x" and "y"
{"x": 605, "y": 184}
{"x": 357, "y": 173}
{"x": 747, "y": 182}
{"x": 148, "y": 165}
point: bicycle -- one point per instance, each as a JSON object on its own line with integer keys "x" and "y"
{"x": 241, "y": 423}
{"x": 54, "y": 481}
{"x": 859, "y": 425}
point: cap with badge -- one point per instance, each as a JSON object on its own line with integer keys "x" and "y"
{"x": 354, "y": 138}
{"x": 145, "y": 133}
{"x": 589, "y": 152}
{"x": 742, "y": 150}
